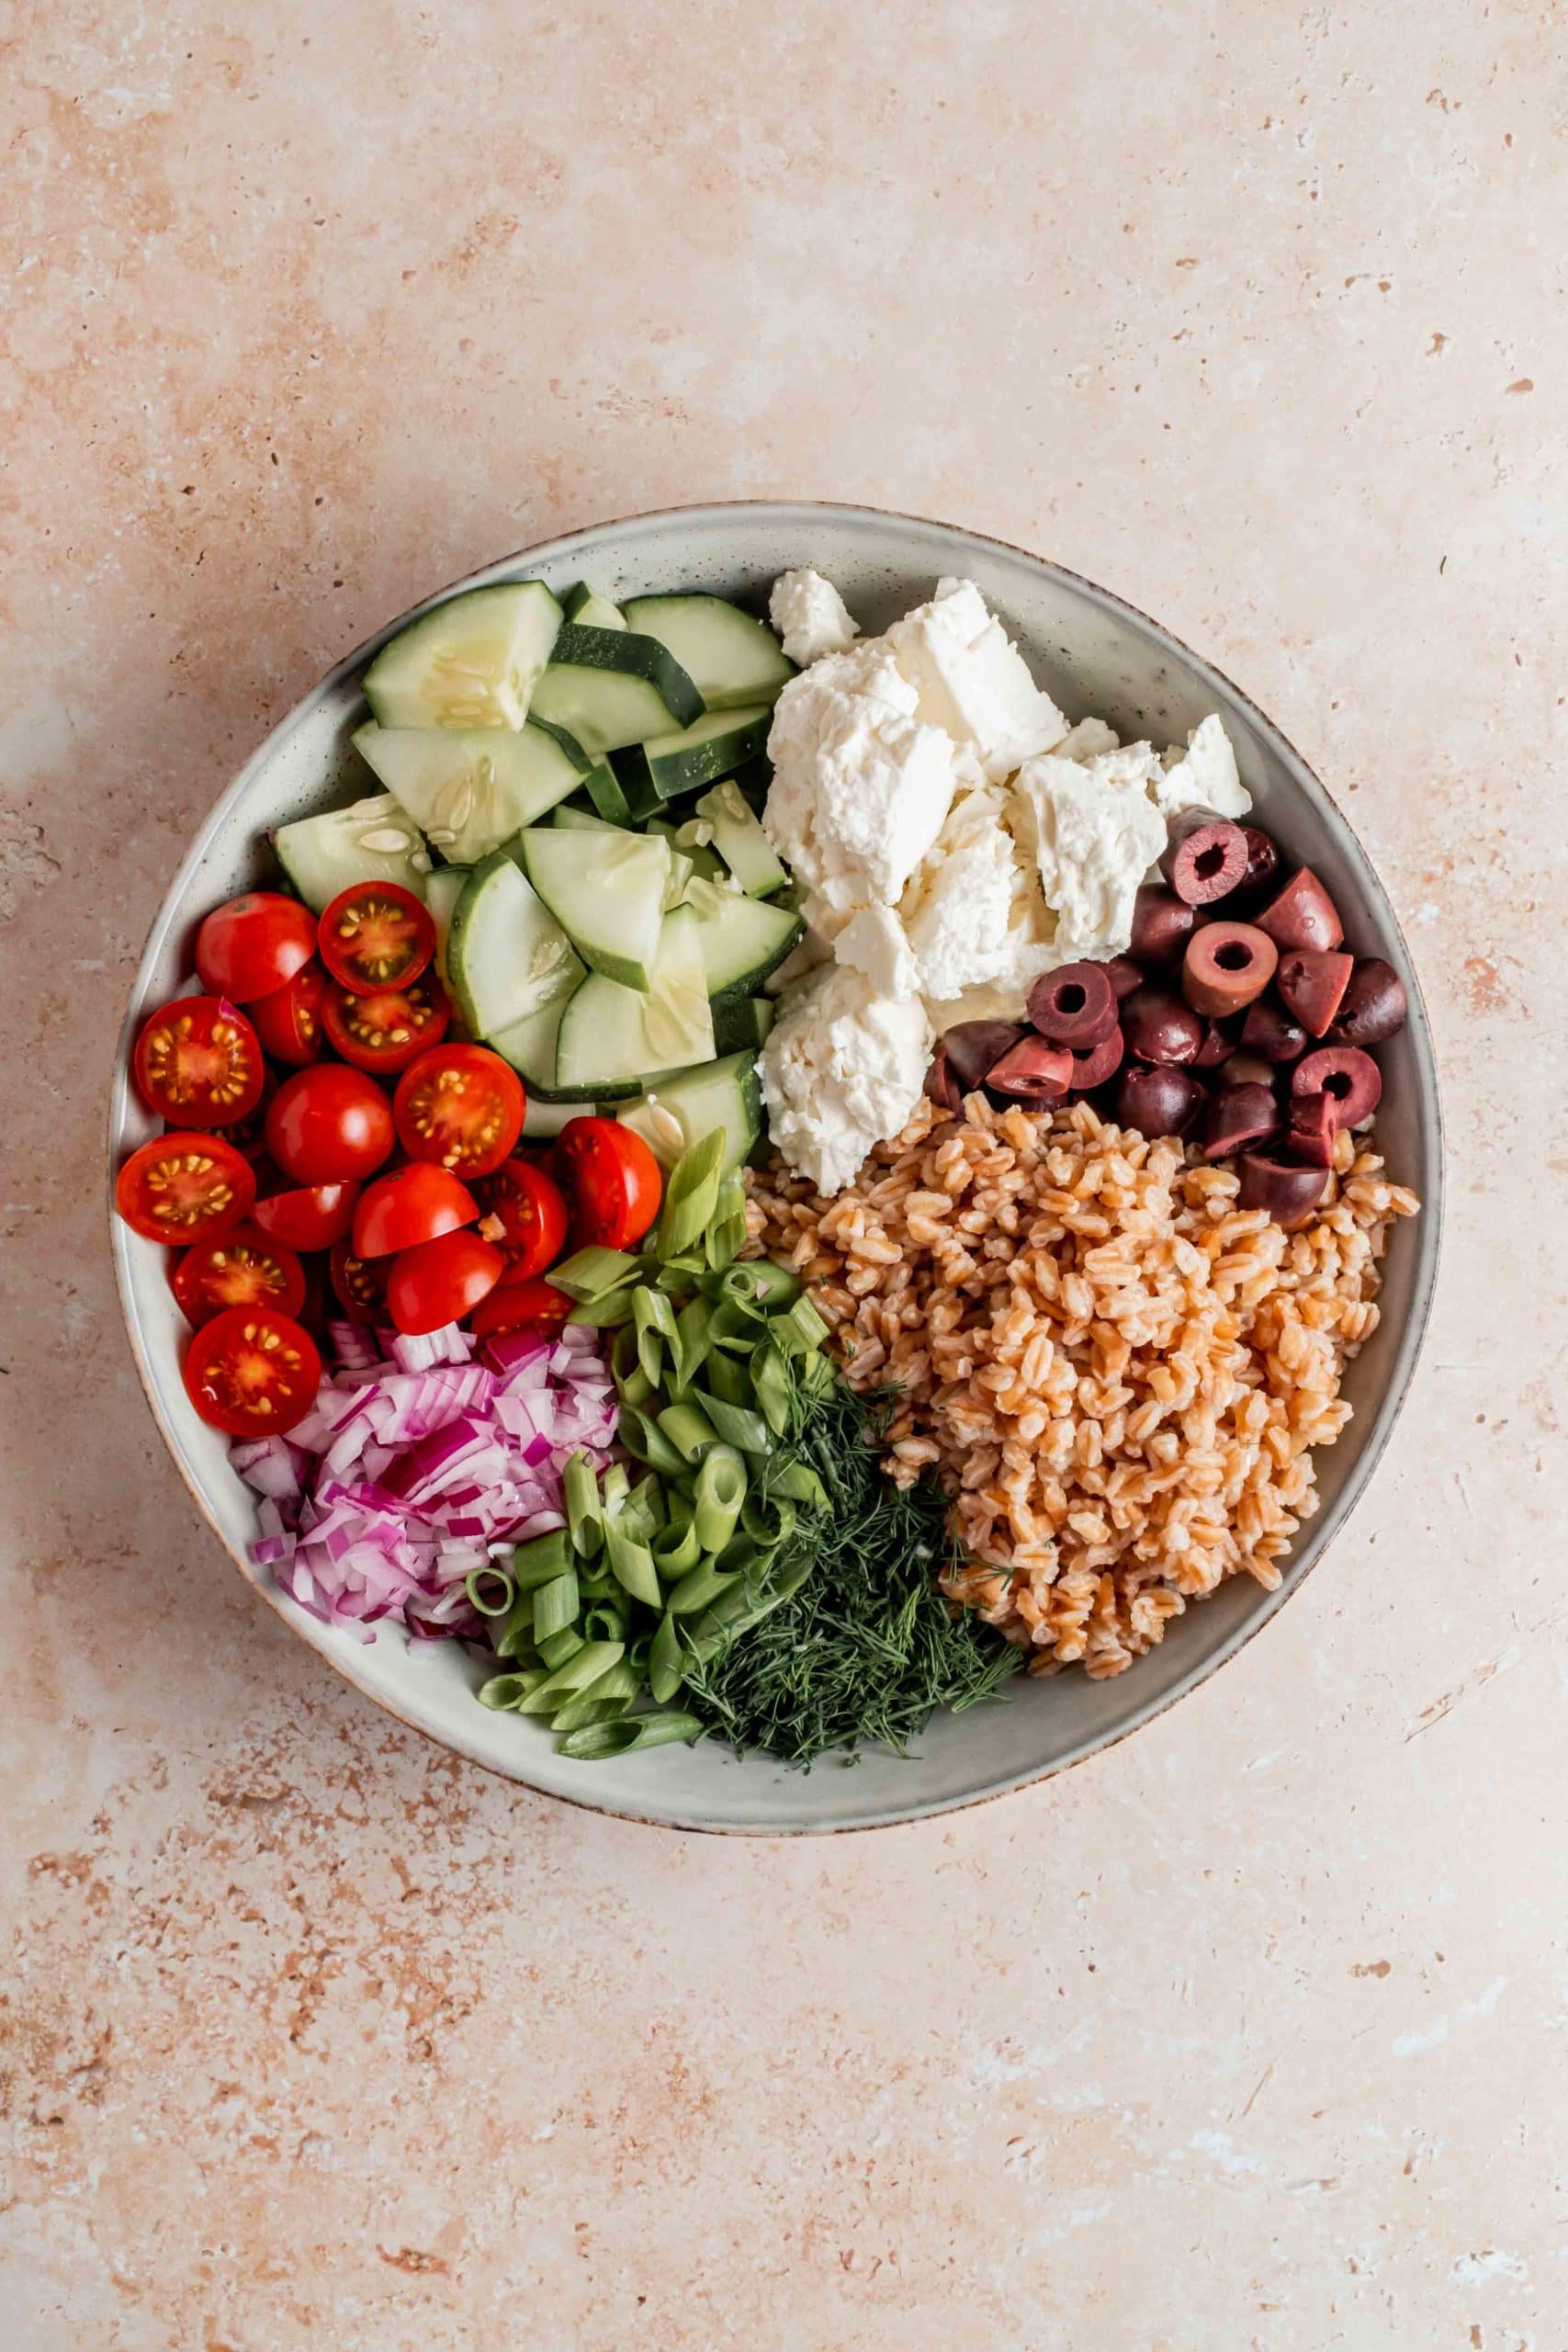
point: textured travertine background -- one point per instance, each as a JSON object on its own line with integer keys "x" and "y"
{"x": 1252, "y": 2034}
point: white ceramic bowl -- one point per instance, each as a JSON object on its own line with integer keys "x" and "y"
{"x": 1094, "y": 654}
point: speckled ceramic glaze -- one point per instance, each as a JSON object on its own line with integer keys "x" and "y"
{"x": 1094, "y": 654}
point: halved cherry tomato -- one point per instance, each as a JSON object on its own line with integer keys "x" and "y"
{"x": 241, "y": 1268}
{"x": 199, "y": 1063}
{"x": 612, "y": 1180}
{"x": 376, "y": 936}
{"x": 411, "y": 1206}
{"x": 517, "y": 1306}
{"x": 435, "y": 1283}
{"x": 249, "y": 1135}
{"x": 531, "y": 1210}
{"x": 183, "y": 1188}
{"x": 288, "y": 1022}
{"x": 460, "y": 1106}
{"x": 360, "y": 1283}
{"x": 390, "y": 1027}
{"x": 329, "y": 1126}
{"x": 310, "y": 1217}
{"x": 252, "y": 1372}
{"x": 254, "y": 944}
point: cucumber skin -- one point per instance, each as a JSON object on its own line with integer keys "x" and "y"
{"x": 381, "y": 685}
{"x": 603, "y": 787}
{"x": 658, "y": 779}
{"x": 596, "y": 649}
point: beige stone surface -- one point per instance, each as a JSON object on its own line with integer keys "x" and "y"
{"x": 1252, "y": 2034}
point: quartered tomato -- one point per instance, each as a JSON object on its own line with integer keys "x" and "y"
{"x": 254, "y": 944}
{"x": 311, "y": 1217}
{"x": 199, "y": 1063}
{"x": 329, "y": 1126}
{"x": 183, "y": 1188}
{"x": 288, "y": 1022}
{"x": 517, "y": 1306}
{"x": 386, "y": 1030}
{"x": 241, "y": 1268}
{"x": 376, "y": 936}
{"x": 460, "y": 1106}
{"x": 611, "y": 1180}
{"x": 360, "y": 1283}
{"x": 411, "y": 1206}
{"x": 438, "y": 1281}
{"x": 252, "y": 1372}
{"x": 531, "y": 1210}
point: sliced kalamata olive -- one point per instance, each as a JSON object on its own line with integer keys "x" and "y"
{"x": 1033, "y": 1070}
{"x": 1237, "y": 1116}
{"x": 1314, "y": 1126}
{"x": 1160, "y": 1028}
{"x": 1100, "y": 1062}
{"x": 1123, "y": 975}
{"x": 1311, "y": 982}
{"x": 972, "y": 1047}
{"x": 1350, "y": 1077}
{"x": 1248, "y": 1069}
{"x": 1262, "y": 865}
{"x": 1075, "y": 1005}
{"x": 1226, "y": 965}
{"x": 1216, "y": 1048}
{"x": 1289, "y": 1194}
{"x": 1302, "y": 914}
{"x": 1210, "y": 864}
{"x": 1157, "y": 1102}
{"x": 1162, "y": 925}
{"x": 940, "y": 1084}
{"x": 1269, "y": 1031}
{"x": 1373, "y": 1006}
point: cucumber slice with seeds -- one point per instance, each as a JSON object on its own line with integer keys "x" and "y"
{"x": 572, "y": 820}
{"x": 473, "y": 661}
{"x": 606, "y": 891}
{"x": 735, "y": 657}
{"x": 508, "y": 957}
{"x": 614, "y": 686}
{"x": 682, "y": 1108}
{"x": 611, "y": 1037}
{"x": 470, "y": 788}
{"x": 529, "y": 1046}
{"x": 742, "y": 939}
{"x": 740, "y": 840}
{"x": 585, "y": 605}
{"x": 442, "y": 892}
{"x": 376, "y": 841}
{"x": 668, "y": 764}
{"x": 741, "y": 1023}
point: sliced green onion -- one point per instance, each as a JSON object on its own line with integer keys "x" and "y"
{"x": 773, "y": 1387}
{"x": 676, "y": 1552}
{"x": 606, "y": 1621}
{"x": 694, "y": 1340}
{"x": 727, "y": 1378}
{"x": 602, "y": 1314}
{"x": 720, "y": 1491}
{"x": 637, "y": 1652}
{"x": 648, "y": 1441}
{"x": 691, "y": 1193}
{"x": 513, "y": 1637}
{"x": 538, "y": 1563}
{"x": 688, "y": 1430}
{"x": 633, "y": 1565}
{"x": 802, "y": 1331}
{"x": 589, "y": 1662}
{"x": 666, "y": 1660}
{"x": 613, "y": 1693}
{"x": 613, "y": 1488}
{"x": 655, "y": 1319}
{"x": 595, "y": 1273}
{"x": 734, "y": 1424}
{"x": 799, "y": 1482}
{"x": 562, "y": 1645}
{"x": 759, "y": 1283}
{"x": 555, "y": 1605}
{"x": 632, "y": 1384}
{"x": 490, "y": 1590}
{"x": 768, "y": 1520}
{"x": 581, "y": 1491}
{"x": 700, "y": 1589}
{"x": 507, "y": 1692}
{"x": 596, "y": 1742}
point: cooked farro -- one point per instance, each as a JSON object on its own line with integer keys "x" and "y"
{"x": 1117, "y": 1373}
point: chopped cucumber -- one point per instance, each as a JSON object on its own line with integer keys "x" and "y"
{"x": 668, "y": 764}
{"x": 582, "y": 821}
{"x": 693, "y": 839}
{"x": 614, "y": 686}
{"x": 740, "y": 840}
{"x": 442, "y": 892}
{"x": 611, "y": 1037}
{"x": 606, "y": 891}
{"x": 507, "y": 956}
{"x": 529, "y": 1045}
{"x": 741, "y": 1023}
{"x": 603, "y": 787}
{"x": 734, "y": 658}
{"x": 742, "y": 939}
{"x": 473, "y": 661}
{"x": 373, "y": 842}
{"x": 585, "y": 605}
{"x": 472, "y": 788}
{"x": 680, "y": 1110}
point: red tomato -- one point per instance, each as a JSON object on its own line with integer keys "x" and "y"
{"x": 288, "y": 1022}
{"x": 612, "y": 1180}
{"x": 461, "y": 1106}
{"x": 384, "y": 1031}
{"x": 313, "y": 1218}
{"x": 249, "y": 1135}
{"x": 252, "y": 1372}
{"x": 199, "y": 1063}
{"x": 183, "y": 1188}
{"x": 360, "y": 1283}
{"x": 254, "y": 944}
{"x": 532, "y": 1214}
{"x": 376, "y": 936}
{"x": 411, "y": 1206}
{"x": 242, "y": 1268}
{"x": 517, "y": 1306}
{"x": 329, "y": 1126}
{"x": 435, "y": 1283}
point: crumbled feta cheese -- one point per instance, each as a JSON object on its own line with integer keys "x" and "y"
{"x": 843, "y": 1071}
{"x": 872, "y": 942}
{"x": 958, "y": 909}
{"x": 859, "y": 788}
{"x": 1095, "y": 834}
{"x": 971, "y": 679}
{"x": 811, "y": 617}
{"x": 1087, "y": 740}
{"x": 1204, "y": 775}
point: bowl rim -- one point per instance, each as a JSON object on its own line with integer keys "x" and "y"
{"x": 1323, "y": 1529}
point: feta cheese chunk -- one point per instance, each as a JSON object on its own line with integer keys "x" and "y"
{"x": 959, "y": 909}
{"x": 1087, "y": 740}
{"x": 973, "y": 681}
{"x": 843, "y": 1069}
{"x": 1204, "y": 775}
{"x": 1095, "y": 834}
{"x": 872, "y": 942}
{"x": 811, "y": 617}
{"x": 860, "y": 786}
